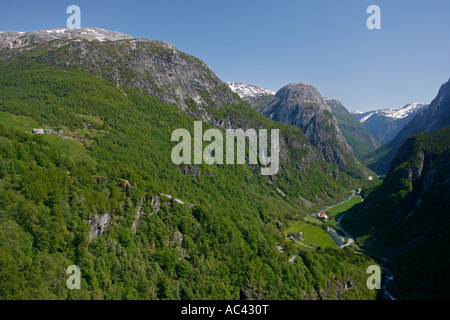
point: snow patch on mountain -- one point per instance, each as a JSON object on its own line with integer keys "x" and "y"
{"x": 17, "y": 39}
{"x": 394, "y": 113}
{"x": 403, "y": 112}
{"x": 367, "y": 117}
{"x": 244, "y": 90}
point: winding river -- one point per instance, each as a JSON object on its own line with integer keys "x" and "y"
{"x": 340, "y": 241}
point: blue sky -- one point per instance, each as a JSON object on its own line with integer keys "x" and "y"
{"x": 271, "y": 43}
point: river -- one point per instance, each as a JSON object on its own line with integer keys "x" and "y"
{"x": 340, "y": 241}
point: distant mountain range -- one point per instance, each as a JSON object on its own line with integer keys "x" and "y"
{"x": 429, "y": 119}
{"x": 384, "y": 124}
{"x": 254, "y": 95}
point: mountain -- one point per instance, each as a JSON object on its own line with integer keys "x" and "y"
{"x": 101, "y": 191}
{"x": 254, "y": 95}
{"x": 384, "y": 124}
{"x": 301, "y": 105}
{"x": 357, "y": 136}
{"x": 432, "y": 118}
{"x": 18, "y": 39}
{"x": 407, "y": 220}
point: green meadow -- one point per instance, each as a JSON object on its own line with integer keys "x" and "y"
{"x": 311, "y": 234}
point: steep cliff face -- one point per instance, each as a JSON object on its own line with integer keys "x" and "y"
{"x": 357, "y": 136}
{"x": 99, "y": 224}
{"x": 301, "y": 105}
{"x": 155, "y": 67}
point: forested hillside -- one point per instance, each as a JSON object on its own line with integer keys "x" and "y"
{"x": 113, "y": 157}
{"x": 406, "y": 219}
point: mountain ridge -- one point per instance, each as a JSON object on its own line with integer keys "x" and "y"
{"x": 17, "y": 39}
{"x": 430, "y": 119}
{"x": 361, "y": 140}
{"x": 384, "y": 124}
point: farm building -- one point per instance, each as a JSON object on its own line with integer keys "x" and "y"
{"x": 323, "y": 215}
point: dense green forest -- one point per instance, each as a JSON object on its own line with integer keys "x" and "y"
{"x": 113, "y": 154}
{"x": 406, "y": 218}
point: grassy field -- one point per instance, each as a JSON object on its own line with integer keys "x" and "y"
{"x": 312, "y": 220}
{"x": 311, "y": 234}
{"x": 344, "y": 206}
{"x": 333, "y": 223}
{"x": 26, "y": 124}
{"x": 20, "y": 123}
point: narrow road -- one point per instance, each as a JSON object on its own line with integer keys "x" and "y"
{"x": 177, "y": 200}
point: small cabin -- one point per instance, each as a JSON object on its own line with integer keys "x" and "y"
{"x": 323, "y": 215}
{"x": 38, "y": 131}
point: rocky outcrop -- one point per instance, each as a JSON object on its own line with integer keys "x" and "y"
{"x": 250, "y": 292}
{"x": 177, "y": 237}
{"x": 99, "y": 224}
{"x": 156, "y": 205}
{"x": 335, "y": 289}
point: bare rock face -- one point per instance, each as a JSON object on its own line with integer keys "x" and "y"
{"x": 178, "y": 237}
{"x": 156, "y": 204}
{"x": 302, "y": 105}
{"x": 157, "y": 68}
{"x": 99, "y": 224}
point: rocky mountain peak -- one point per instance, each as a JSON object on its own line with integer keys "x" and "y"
{"x": 302, "y": 105}
{"x": 300, "y": 92}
